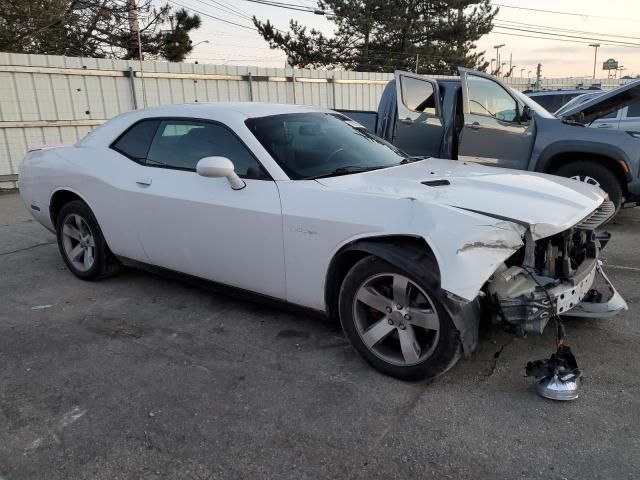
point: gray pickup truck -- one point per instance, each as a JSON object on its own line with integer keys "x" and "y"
{"x": 476, "y": 118}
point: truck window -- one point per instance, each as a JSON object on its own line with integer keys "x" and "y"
{"x": 418, "y": 95}
{"x": 488, "y": 98}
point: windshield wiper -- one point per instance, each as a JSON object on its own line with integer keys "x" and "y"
{"x": 416, "y": 158}
{"x": 343, "y": 171}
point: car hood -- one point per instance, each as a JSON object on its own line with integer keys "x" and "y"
{"x": 604, "y": 104}
{"x": 546, "y": 204}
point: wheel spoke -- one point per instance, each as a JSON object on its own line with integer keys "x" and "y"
{"x": 71, "y": 232}
{"x": 91, "y": 241}
{"x": 88, "y": 257}
{"x": 377, "y": 332}
{"x": 400, "y": 285}
{"x": 410, "y": 348}
{"x": 78, "y": 221}
{"x": 75, "y": 252}
{"x": 370, "y": 297}
{"x": 424, "y": 318}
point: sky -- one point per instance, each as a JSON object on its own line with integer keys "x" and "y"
{"x": 595, "y": 20}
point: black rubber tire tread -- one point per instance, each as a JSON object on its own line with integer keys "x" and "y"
{"x": 449, "y": 348}
{"x": 105, "y": 263}
{"x": 608, "y": 180}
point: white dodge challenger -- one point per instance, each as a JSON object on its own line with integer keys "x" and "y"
{"x": 304, "y": 206}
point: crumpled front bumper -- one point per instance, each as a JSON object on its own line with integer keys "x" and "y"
{"x": 528, "y": 305}
{"x": 593, "y": 305}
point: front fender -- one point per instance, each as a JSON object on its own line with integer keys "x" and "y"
{"x": 610, "y": 152}
{"x": 409, "y": 255}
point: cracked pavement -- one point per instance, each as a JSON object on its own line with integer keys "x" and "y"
{"x": 138, "y": 376}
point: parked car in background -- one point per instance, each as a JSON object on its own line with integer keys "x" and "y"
{"x": 304, "y": 206}
{"x": 476, "y": 118}
{"x": 626, "y": 118}
{"x": 552, "y": 100}
{"x": 579, "y": 100}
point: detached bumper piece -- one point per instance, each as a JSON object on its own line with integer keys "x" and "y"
{"x": 593, "y": 305}
{"x": 559, "y": 376}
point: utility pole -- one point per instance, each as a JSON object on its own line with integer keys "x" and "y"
{"x": 498, "y": 47}
{"x": 595, "y": 57}
{"x": 134, "y": 26}
{"x": 538, "y": 76}
{"x": 417, "y": 59}
{"x": 510, "y": 62}
{"x": 134, "y": 29}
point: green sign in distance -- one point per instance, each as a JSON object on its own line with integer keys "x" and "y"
{"x": 610, "y": 64}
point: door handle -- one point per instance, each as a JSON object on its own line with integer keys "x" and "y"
{"x": 604, "y": 125}
{"x": 144, "y": 182}
{"x": 406, "y": 121}
{"x": 474, "y": 126}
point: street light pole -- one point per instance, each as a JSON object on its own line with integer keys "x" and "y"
{"x": 595, "y": 57}
{"x": 498, "y": 66}
{"x": 522, "y": 73}
{"x": 491, "y": 66}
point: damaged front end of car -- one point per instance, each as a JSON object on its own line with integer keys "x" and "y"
{"x": 555, "y": 275}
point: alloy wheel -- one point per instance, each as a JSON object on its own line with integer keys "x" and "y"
{"x": 396, "y": 319}
{"x": 79, "y": 242}
{"x": 586, "y": 179}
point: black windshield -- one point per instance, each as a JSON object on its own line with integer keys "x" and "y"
{"x": 311, "y": 145}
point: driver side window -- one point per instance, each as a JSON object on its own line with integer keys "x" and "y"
{"x": 181, "y": 144}
{"x": 488, "y": 98}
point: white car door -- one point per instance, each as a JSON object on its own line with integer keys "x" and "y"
{"x": 609, "y": 121}
{"x": 201, "y": 226}
{"x": 630, "y": 121}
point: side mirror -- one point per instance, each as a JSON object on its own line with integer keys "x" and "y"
{"x": 526, "y": 114}
{"x": 216, "y": 167}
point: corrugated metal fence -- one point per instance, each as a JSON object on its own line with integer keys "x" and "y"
{"x": 53, "y": 99}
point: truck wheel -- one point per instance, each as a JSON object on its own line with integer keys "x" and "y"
{"x": 594, "y": 174}
{"x": 397, "y": 322}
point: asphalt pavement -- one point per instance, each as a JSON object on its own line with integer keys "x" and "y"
{"x": 138, "y": 376}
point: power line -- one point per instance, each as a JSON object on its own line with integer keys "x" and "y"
{"x": 229, "y": 9}
{"x": 246, "y": 27}
{"x": 611, "y": 42}
{"x": 546, "y": 27}
{"x": 557, "y": 12}
{"x": 552, "y": 39}
{"x": 291, "y": 6}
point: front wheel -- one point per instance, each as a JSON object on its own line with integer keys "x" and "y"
{"x": 594, "y": 174}
{"x": 397, "y": 322}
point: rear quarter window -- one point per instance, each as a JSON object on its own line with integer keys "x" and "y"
{"x": 135, "y": 142}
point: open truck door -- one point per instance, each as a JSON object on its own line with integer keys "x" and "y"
{"x": 496, "y": 129}
{"x": 418, "y": 128}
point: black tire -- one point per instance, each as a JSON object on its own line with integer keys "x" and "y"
{"x": 601, "y": 174}
{"x": 445, "y": 350}
{"x": 104, "y": 263}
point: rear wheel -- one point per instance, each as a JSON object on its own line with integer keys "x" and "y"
{"x": 81, "y": 243}
{"x": 594, "y": 174}
{"x": 397, "y": 322}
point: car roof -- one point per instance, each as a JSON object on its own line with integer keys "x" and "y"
{"x": 221, "y": 111}
{"x": 247, "y": 109}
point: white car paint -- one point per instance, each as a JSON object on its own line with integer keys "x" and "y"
{"x": 279, "y": 237}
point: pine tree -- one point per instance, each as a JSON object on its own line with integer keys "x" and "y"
{"x": 437, "y": 36}
{"x": 94, "y": 28}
